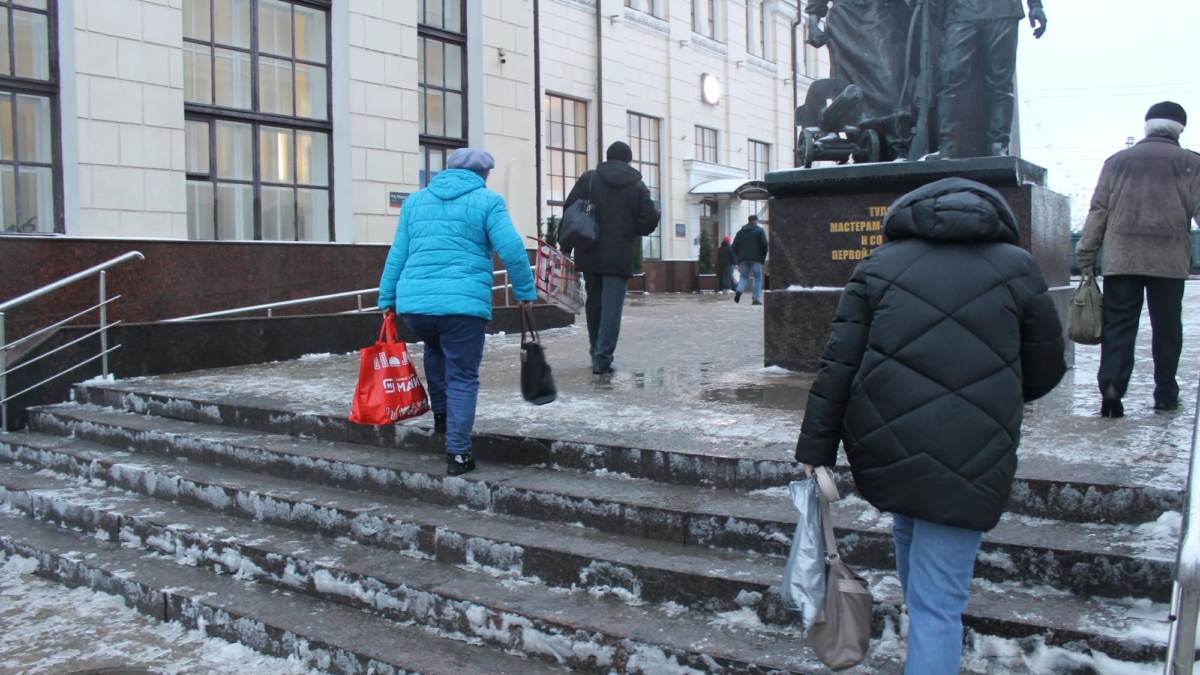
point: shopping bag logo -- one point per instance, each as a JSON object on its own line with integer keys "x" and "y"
{"x": 383, "y": 361}
{"x": 401, "y": 384}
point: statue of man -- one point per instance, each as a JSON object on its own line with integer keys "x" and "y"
{"x": 867, "y": 41}
{"x": 981, "y": 37}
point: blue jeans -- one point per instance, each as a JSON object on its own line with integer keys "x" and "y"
{"x": 453, "y": 351}
{"x": 745, "y": 269}
{"x": 935, "y": 563}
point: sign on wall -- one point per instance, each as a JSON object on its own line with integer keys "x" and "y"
{"x": 396, "y": 199}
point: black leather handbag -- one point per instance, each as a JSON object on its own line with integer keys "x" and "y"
{"x": 537, "y": 382}
{"x": 579, "y": 230}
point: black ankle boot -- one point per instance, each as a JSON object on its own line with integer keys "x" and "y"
{"x": 439, "y": 423}
{"x": 457, "y": 465}
{"x": 1112, "y": 407}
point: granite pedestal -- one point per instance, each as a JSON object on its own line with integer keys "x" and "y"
{"x": 824, "y": 221}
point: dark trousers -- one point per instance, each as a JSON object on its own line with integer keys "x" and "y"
{"x": 605, "y": 302}
{"x": 1122, "y": 312}
{"x": 727, "y": 277}
{"x": 990, "y": 45}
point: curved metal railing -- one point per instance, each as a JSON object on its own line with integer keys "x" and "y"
{"x": 1185, "y": 600}
{"x": 102, "y": 330}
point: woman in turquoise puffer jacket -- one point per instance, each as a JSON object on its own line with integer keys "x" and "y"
{"x": 438, "y": 278}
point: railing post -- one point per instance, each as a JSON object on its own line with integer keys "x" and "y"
{"x": 3, "y": 378}
{"x": 507, "y": 290}
{"x": 359, "y": 296}
{"x": 270, "y": 312}
{"x": 1184, "y": 633}
{"x": 103, "y": 323}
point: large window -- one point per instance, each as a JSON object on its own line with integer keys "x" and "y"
{"x": 441, "y": 82}
{"x": 644, "y": 140}
{"x": 706, "y": 18}
{"x": 760, "y": 160}
{"x": 256, "y": 88}
{"x": 30, "y": 193}
{"x": 757, "y": 28}
{"x": 566, "y": 148}
{"x": 648, "y": 6}
{"x": 706, "y": 145}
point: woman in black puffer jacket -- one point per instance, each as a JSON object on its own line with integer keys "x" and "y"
{"x": 941, "y": 336}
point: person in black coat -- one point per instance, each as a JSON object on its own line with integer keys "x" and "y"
{"x": 750, "y": 247}
{"x": 942, "y": 335}
{"x": 726, "y": 261}
{"x": 624, "y": 212}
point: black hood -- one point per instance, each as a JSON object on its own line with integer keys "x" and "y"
{"x": 750, "y": 226}
{"x": 618, "y": 174}
{"x": 952, "y": 210}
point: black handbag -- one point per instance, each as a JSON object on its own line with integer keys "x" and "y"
{"x": 537, "y": 382}
{"x": 578, "y": 230}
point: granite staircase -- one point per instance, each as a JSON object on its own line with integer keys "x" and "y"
{"x": 348, "y": 547}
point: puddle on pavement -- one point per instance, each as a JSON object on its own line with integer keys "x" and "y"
{"x": 776, "y": 397}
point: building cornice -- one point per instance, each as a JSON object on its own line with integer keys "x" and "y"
{"x": 588, "y": 6}
{"x": 648, "y": 23}
{"x": 762, "y": 65}
{"x": 710, "y": 45}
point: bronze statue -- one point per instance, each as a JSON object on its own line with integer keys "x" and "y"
{"x": 867, "y": 40}
{"x": 980, "y": 37}
{"x": 887, "y": 89}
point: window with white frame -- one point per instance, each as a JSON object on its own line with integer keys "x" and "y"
{"x": 652, "y": 7}
{"x": 758, "y": 21}
{"x": 644, "y": 140}
{"x": 257, "y": 111}
{"x": 706, "y": 145}
{"x": 759, "y": 160}
{"x": 566, "y": 148}
{"x": 30, "y": 189}
{"x": 706, "y": 18}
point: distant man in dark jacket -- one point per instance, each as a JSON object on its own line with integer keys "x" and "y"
{"x": 624, "y": 212}
{"x": 1142, "y": 214}
{"x": 941, "y": 336}
{"x": 726, "y": 261}
{"x": 750, "y": 248}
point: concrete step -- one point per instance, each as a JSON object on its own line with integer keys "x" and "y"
{"x": 1043, "y": 489}
{"x": 593, "y": 635}
{"x": 1107, "y": 560}
{"x": 322, "y": 635}
{"x": 439, "y": 596}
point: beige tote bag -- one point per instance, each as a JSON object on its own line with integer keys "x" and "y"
{"x": 842, "y": 636}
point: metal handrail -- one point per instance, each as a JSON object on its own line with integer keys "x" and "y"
{"x": 100, "y": 270}
{"x": 271, "y": 306}
{"x": 1185, "y": 597}
{"x": 67, "y": 281}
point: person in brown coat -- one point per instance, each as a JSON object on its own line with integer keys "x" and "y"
{"x": 1142, "y": 214}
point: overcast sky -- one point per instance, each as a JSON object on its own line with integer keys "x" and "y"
{"x": 1084, "y": 88}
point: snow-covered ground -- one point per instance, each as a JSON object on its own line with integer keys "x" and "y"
{"x": 47, "y": 628}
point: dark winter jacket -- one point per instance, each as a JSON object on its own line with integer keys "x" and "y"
{"x": 1142, "y": 211}
{"x": 624, "y": 212}
{"x": 750, "y": 244}
{"x": 725, "y": 257}
{"x": 941, "y": 336}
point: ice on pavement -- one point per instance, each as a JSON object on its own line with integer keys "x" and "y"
{"x": 690, "y": 377}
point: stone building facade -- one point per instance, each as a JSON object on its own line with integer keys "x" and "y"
{"x": 311, "y": 120}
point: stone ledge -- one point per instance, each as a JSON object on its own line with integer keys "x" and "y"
{"x": 647, "y": 23}
{"x": 710, "y": 45}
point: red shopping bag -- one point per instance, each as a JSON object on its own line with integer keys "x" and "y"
{"x": 388, "y": 387}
